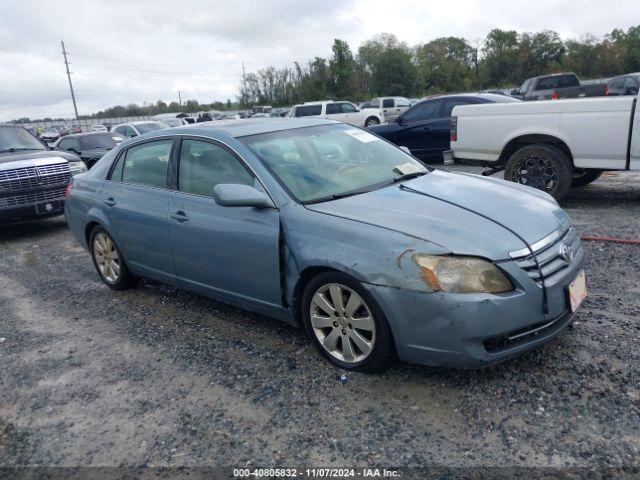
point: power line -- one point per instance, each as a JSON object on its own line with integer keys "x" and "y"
{"x": 66, "y": 64}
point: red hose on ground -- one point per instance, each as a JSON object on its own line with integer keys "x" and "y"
{"x": 625, "y": 241}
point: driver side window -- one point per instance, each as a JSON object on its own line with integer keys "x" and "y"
{"x": 204, "y": 165}
{"x": 348, "y": 108}
{"x": 423, "y": 111}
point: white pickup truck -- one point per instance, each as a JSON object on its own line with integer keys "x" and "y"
{"x": 550, "y": 145}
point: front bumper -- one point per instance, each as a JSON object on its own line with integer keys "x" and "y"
{"x": 476, "y": 330}
{"x": 32, "y": 212}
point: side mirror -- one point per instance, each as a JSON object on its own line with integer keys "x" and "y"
{"x": 238, "y": 195}
{"x": 399, "y": 120}
{"x": 632, "y": 91}
{"x": 72, "y": 150}
{"x": 515, "y": 92}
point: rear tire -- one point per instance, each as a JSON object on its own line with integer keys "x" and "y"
{"x": 108, "y": 261}
{"x": 348, "y": 327}
{"x": 543, "y": 167}
{"x": 585, "y": 176}
{"x": 371, "y": 121}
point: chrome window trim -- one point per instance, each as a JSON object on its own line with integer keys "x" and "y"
{"x": 182, "y": 136}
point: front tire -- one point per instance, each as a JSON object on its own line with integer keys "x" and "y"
{"x": 371, "y": 121}
{"x": 543, "y": 167}
{"x": 585, "y": 176}
{"x": 345, "y": 324}
{"x": 108, "y": 261}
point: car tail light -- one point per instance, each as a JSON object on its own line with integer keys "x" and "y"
{"x": 606, "y": 90}
{"x": 555, "y": 96}
{"x": 454, "y": 129}
{"x": 67, "y": 191}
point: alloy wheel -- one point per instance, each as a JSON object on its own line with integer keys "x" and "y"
{"x": 538, "y": 172}
{"x": 106, "y": 256}
{"x": 342, "y": 322}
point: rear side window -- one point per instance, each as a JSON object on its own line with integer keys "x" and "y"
{"x": 204, "y": 165}
{"x": 387, "y": 103}
{"x": 449, "y": 104}
{"x": 144, "y": 164}
{"x": 308, "y": 110}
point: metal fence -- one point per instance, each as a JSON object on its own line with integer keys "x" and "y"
{"x": 86, "y": 124}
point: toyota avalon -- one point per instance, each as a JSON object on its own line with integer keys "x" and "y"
{"x": 331, "y": 228}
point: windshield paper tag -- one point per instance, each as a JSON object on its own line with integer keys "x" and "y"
{"x": 364, "y": 137}
{"x": 407, "y": 168}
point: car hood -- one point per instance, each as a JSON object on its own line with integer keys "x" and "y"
{"x": 465, "y": 214}
{"x": 384, "y": 128}
{"x": 35, "y": 154}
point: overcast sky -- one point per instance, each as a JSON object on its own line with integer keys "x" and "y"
{"x": 145, "y": 50}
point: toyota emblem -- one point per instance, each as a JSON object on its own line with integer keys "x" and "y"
{"x": 566, "y": 253}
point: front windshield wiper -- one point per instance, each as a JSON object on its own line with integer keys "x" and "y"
{"x": 12, "y": 150}
{"x": 409, "y": 176}
{"x": 337, "y": 196}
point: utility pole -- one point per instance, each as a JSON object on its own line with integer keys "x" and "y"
{"x": 179, "y": 98}
{"x": 66, "y": 64}
{"x": 243, "y": 95}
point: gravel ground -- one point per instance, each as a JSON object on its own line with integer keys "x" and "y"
{"x": 157, "y": 376}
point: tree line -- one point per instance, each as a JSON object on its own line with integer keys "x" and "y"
{"x": 384, "y": 65}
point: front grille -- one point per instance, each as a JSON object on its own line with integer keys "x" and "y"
{"x": 550, "y": 258}
{"x": 32, "y": 198}
{"x": 34, "y": 177}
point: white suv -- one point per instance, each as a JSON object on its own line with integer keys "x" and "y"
{"x": 391, "y": 107}
{"x": 345, "y": 112}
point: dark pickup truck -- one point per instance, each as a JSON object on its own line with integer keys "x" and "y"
{"x": 557, "y": 86}
{"x": 33, "y": 178}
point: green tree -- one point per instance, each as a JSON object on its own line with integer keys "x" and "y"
{"x": 343, "y": 70}
{"x": 389, "y": 65}
{"x": 539, "y": 53}
{"x": 500, "y": 63}
{"x": 445, "y": 64}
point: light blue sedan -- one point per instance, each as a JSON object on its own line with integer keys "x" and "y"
{"x": 331, "y": 228}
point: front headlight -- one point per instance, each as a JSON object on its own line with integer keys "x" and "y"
{"x": 461, "y": 274}
{"x": 77, "y": 167}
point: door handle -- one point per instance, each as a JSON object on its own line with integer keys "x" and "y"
{"x": 109, "y": 202}
{"x": 180, "y": 216}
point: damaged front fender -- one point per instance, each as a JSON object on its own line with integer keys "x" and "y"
{"x": 369, "y": 253}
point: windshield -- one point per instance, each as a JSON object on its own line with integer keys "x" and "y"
{"x": 150, "y": 127}
{"x": 17, "y": 138}
{"x": 318, "y": 163}
{"x": 102, "y": 140}
{"x": 523, "y": 88}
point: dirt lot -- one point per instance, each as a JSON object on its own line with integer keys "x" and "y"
{"x": 156, "y": 376}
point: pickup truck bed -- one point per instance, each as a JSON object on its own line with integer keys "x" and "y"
{"x": 590, "y": 133}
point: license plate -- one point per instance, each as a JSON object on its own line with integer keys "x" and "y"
{"x": 46, "y": 208}
{"x": 577, "y": 291}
